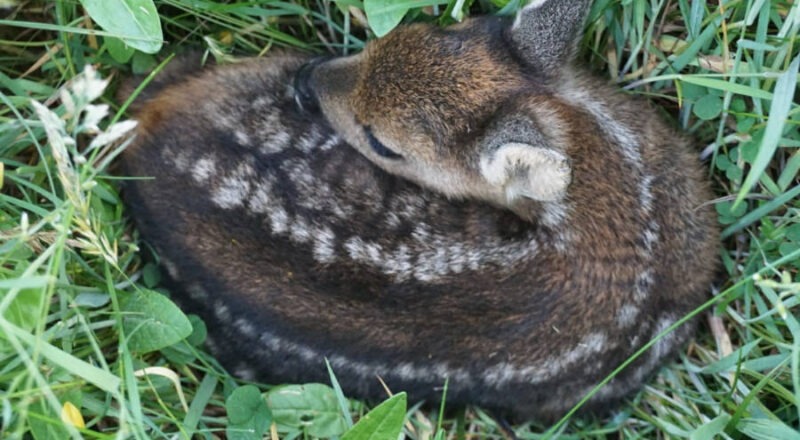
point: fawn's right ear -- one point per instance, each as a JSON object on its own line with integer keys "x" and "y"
{"x": 517, "y": 161}
{"x": 546, "y": 32}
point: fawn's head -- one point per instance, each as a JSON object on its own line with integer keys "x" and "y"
{"x": 449, "y": 108}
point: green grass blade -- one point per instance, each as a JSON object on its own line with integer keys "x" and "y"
{"x": 779, "y": 110}
{"x": 77, "y": 367}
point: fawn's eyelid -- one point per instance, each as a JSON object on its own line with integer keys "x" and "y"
{"x": 378, "y": 147}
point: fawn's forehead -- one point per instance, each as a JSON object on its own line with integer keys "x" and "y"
{"x": 422, "y": 72}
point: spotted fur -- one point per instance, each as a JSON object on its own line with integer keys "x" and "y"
{"x": 297, "y": 241}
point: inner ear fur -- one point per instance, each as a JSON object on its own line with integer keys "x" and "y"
{"x": 546, "y": 32}
{"x": 517, "y": 160}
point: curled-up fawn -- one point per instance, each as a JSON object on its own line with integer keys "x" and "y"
{"x": 460, "y": 203}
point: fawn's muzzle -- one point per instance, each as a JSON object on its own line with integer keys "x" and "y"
{"x": 304, "y": 96}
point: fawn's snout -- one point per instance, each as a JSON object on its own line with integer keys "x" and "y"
{"x": 304, "y": 96}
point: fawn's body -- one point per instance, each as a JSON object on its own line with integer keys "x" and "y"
{"x": 439, "y": 207}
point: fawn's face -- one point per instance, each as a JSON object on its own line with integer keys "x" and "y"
{"x": 412, "y": 102}
{"x": 426, "y": 104}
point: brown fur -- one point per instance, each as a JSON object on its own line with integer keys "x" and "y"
{"x": 297, "y": 241}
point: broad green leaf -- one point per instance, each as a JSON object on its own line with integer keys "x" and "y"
{"x": 199, "y": 331}
{"x": 25, "y": 309}
{"x": 311, "y": 407}
{"x": 385, "y": 15}
{"x": 767, "y": 429}
{"x": 384, "y": 422}
{"x": 135, "y": 22}
{"x": 708, "y": 107}
{"x": 120, "y": 51}
{"x": 793, "y": 232}
{"x": 778, "y": 111}
{"x": 710, "y": 430}
{"x": 151, "y": 275}
{"x": 152, "y": 321}
{"x": 92, "y": 300}
{"x": 248, "y": 414}
{"x": 343, "y": 5}
{"x": 142, "y": 63}
{"x": 45, "y": 424}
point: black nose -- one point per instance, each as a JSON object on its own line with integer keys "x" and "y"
{"x": 304, "y": 96}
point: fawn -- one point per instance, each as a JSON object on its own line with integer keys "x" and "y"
{"x": 459, "y": 204}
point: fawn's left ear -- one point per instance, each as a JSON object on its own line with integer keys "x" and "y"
{"x": 524, "y": 170}
{"x": 546, "y": 32}
{"x": 517, "y": 160}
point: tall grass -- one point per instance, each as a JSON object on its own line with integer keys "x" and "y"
{"x": 69, "y": 261}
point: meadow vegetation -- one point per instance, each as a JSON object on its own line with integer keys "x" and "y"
{"x": 92, "y": 347}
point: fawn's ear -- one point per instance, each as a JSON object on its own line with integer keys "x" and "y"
{"x": 546, "y": 32}
{"x": 517, "y": 160}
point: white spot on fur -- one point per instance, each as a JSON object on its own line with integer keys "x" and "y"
{"x": 505, "y": 372}
{"x": 171, "y": 268}
{"x": 276, "y": 143}
{"x": 234, "y": 188}
{"x": 275, "y": 344}
{"x": 324, "y": 245}
{"x": 431, "y": 257}
{"x": 661, "y": 348}
{"x": 242, "y": 138}
{"x": 299, "y": 230}
{"x": 664, "y": 345}
{"x": 244, "y": 327}
{"x": 278, "y": 220}
{"x": 222, "y": 311}
{"x": 272, "y": 346}
{"x": 197, "y": 292}
{"x": 645, "y": 192}
{"x": 263, "y": 101}
{"x": 399, "y": 263}
{"x": 244, "y": 372}
{"x": 262, "y": 199}
{"x": 627, "y": 314}
{"x": 393, "y": 220}
{"x": 180, "y": 159}
{"x": 309, "y": 141}
{"x": 231, "y": 193}
{"x": 203, "y": 169}
{"x": 590, "y": 344}
{"x": 211, "y": 343}
{"x": 651, "y": 236}
{"x": 333, "y": 140}
{"x": 644, "y": 282}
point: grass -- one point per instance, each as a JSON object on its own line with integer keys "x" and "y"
{"x": 69, "y": 261}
